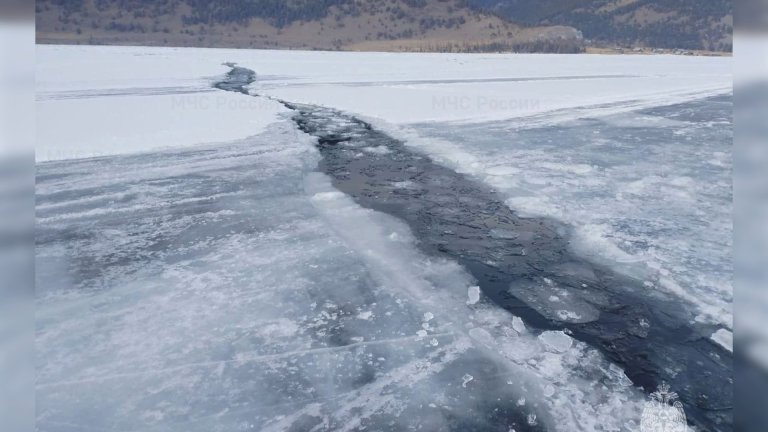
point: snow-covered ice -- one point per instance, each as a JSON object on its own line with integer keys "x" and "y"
{"x": 409, "y": 88}
{"x": 96, "y": 101}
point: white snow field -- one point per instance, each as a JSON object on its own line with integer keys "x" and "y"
{"x": 140, "y": 98}
{"x": 201, "y": 275}
{"x": 95, "y": 101}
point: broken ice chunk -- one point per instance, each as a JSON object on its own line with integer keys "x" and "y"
{"x": 557, "y": 341}
{"x": 365, "y": 315}
{"x": 473, "y": 295}
{"x": 724, "y": 338}
{"x": 518, "y": 325}
{"x": 466, "y": 379}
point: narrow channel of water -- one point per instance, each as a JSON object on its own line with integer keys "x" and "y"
{"x": 520, "y": 262}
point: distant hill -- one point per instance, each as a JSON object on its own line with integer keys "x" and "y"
{"x": 395, "y": 25}
{"x": 685, "y": 24}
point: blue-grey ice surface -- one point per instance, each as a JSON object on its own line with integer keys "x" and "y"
{"x": 647, "y": 192}
{"x": 231, "y": 288}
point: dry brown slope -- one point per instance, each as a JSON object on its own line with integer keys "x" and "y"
{"x": 438, "y": 25}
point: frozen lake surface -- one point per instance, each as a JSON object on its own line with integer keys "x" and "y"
{"x": 386, "y": 266}
{"x": 233, "y": 288}
{"x": 526, "y": 264}
{"x": 637, "y": 187}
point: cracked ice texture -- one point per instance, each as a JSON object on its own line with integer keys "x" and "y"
{"x": 231, "y": 288}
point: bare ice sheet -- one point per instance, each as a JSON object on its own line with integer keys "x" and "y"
{"x": 231, "y": 288}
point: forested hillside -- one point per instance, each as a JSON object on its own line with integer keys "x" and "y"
{"x": 687, "y": 24}
{"x": 407, "y": 25}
